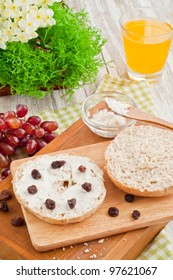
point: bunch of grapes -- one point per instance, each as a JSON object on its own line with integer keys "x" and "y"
{"x": 17, "y": 131}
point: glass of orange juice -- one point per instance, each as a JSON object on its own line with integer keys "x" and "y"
{"x": 147, "y": 35}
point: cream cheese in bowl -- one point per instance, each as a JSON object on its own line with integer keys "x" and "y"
{"x": 99, "y": 113}
{"x": 117, "y": 107}
{"x": 107, "y": 118}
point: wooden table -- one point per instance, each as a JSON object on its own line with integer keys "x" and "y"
{"x": 105, "y": 15}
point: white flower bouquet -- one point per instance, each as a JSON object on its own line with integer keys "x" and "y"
{"x": 20, "y": 19}
{"x": 44, "y": 44}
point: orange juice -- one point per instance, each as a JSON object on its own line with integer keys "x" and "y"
{"x": 146, "y": 43}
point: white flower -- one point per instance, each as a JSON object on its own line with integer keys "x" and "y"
{"x": 9, "y": 29}
{"x": 14, "y": 24}
{"x": 33, "y": 35}
{"x": 43, "y": 16}
{"x": 37, "y": 3}
{"x": 21, "y": 36}
{"x": 49, "y": 20}
{"x": 11, "y": 9}
{"x": 45, "y": 3}
{"x": 7, "y": 24}
{"x": 20, "y": 19}
{"x": 3, "y": 39}
{"x": 2, "y": 21}
{"x": 29, "y": 24}
{"x": 39, "y": 16}
{"x": 49, "y": 2}
{"x": 2, "y": 8}
{"x": 24, "y": 4}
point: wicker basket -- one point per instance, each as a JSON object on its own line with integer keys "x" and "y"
{"x": 5, "y": 91}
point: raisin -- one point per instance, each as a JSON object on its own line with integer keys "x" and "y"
{"x": 57, "y": 163}
{"x": 5, "y": 195}
{"x": 50, "y": 204}
{"x": 136, "y": 214}
{"x": 18, "y": 221}
{"x": 129, "y": 197}
{"x": 32, "y": 189}
{"x": 35, "y": 174}
{"x": 87, "y": 186}
{"x": 3, "y": 206}
{"x": 71, "y": 203}
{"x": 113, "y": 211}
{"x": 65, "y": 184}
{"x": 82, "y": 168}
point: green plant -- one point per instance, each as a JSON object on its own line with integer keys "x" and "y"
{"x": 65, "y": 54}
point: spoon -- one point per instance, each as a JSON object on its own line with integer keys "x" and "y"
{"x": 139, "y": 115}
{"x": 133, "y": 113}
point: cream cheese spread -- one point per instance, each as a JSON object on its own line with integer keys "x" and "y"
{"x": 107, "y": 118}
{"x": 117, "y": 106}
{"x": 51, "y": 185}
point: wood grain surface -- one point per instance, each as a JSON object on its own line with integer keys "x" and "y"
{"x": 45, "y": 236}
{"x": 15, "y": 242}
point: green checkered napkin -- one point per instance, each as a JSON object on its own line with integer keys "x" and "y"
{"x": 160, "y": 248}
{"x": 140, "y": 92}
{"x": 64, "y": 117}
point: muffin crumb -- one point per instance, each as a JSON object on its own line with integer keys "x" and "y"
{"x": 94, "y": 256}
{"x": 86, "y": 251}
{"x": 101, "y": 241}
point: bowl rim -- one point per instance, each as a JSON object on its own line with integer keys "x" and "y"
{"x": 104, "y": 127}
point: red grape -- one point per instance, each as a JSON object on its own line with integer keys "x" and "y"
{"x": 40, "y": 144}
{"x": 5, "y": 128}
{"x": 13, "y": 123}
{"x": 39, "y": 132}
{"x": 31, "y": 146}
{"x": 49, "y": 125}
{"x": 29, "y": 128}
{"x": 21, "y": 110}
{"x": 9, "y": 114}
{"x": 4, "y": 161}
{"x": 6, "y": 149}
{"x": 35, "y": 120}
{"x": 19, "y": 133}
{"x": 49, "y": 136}
{"x": 12, "y": 140}
{"x": 16, "y": 131}
{"x": 23, "y": 141}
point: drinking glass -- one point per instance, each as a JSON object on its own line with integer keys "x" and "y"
{"x": 147, "y": 35}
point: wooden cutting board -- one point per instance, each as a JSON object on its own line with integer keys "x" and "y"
{"x": 15, "y": 242}
{"x": 45, "y": 236}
